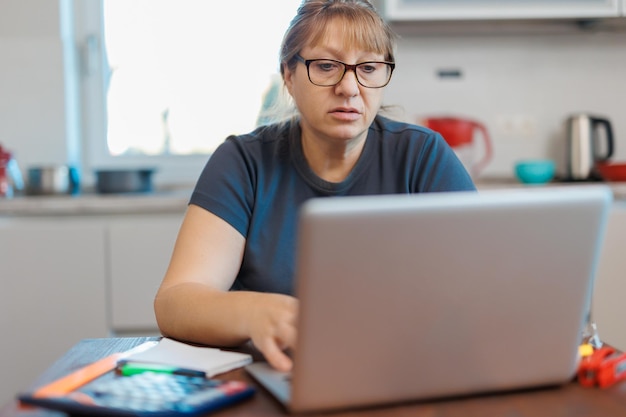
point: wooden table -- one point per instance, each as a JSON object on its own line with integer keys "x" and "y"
{"x": 568, "y": 401}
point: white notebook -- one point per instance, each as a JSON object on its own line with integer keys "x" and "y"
{"x": 212, "y": 361}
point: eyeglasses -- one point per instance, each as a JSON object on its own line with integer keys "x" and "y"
{"x": 329, "y": 72}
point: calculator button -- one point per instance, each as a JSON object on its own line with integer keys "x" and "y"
{"x": 204, "y": 396}
{"x": 232, "y": 387}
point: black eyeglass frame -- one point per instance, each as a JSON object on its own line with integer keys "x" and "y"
{"x": 346, "y": 68}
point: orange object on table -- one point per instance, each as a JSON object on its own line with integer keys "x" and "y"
{"x": 603, "y": 368}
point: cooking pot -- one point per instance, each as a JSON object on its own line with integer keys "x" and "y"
{"x": 612, "y": 171}
{"x": 52, "y": 180}
{"x": 124, "y": 180}
{"x": 459, "y": 133}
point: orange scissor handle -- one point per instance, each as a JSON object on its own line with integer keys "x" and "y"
{"x": 603, "y": 368}
{"x": 590, "y": 365}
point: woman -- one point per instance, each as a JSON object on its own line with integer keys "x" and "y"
{"x": 230, "y": 276}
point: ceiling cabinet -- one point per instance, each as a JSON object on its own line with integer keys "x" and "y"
{"x": 433, "y": 10}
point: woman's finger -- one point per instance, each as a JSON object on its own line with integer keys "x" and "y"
{"x": 275, "y": 355}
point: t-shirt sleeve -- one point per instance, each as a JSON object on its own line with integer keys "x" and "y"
{"x": 225, "y": 186}
{"x": 441, "y": 168}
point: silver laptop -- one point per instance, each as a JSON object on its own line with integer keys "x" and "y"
{"x": 417, "y": 297}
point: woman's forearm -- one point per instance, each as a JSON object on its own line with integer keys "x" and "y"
{"x": 197, "y": 313}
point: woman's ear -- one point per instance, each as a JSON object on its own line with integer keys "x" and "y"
{"x": 288, "y": 78}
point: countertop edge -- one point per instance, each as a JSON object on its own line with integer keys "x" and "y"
{"x": 177, "y": 201}
{"x": 94, "y": 204}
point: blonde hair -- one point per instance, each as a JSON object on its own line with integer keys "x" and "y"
{"x": 363, "y": 28}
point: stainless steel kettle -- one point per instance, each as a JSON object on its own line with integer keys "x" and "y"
{"x": 584, "y": 146}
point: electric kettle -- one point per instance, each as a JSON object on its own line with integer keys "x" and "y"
{"x": 584, "y": 146}
{"x": 459, "y": 133}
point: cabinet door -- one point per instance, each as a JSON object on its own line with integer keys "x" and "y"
{"x": 53, "y": 294}
{"x": 609, "y": 309}
{"x": 140, "y": 249}
{"x": 399, "y": 10}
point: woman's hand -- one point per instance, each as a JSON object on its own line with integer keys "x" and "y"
{"x": 273, "y": 328}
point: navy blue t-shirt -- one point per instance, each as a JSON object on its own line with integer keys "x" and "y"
{"x": 258, "y": 181}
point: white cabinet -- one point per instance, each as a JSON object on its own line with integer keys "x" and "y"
{"x": 139, "y": 248}
{"x": 52, "y": 293}
{"x": 422, "y": 10}
{"x": 67, "y": 278}
{"x": 609, "y": 308}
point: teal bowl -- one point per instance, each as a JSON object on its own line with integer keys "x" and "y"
{"x": 535, "y": 171}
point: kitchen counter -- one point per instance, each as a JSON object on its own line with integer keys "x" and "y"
{"x": 618, "y": 188}
{"x": 96, "y": 204}
{"x": 174, "y": 201}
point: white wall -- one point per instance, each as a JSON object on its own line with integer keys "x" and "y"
{"x": 32, "y": 102}
{"x": 534, "y": 78}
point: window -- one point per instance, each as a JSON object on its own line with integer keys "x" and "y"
{"x": 165, "y": 81}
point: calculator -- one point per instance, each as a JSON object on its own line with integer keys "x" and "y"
{"x": 145, "y": 394}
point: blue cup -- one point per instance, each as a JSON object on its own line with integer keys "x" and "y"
{"x": 535, "y": 171}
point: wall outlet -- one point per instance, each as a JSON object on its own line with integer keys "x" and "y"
{"x": 516, "y": 126}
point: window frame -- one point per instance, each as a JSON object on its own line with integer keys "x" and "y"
{"x": 93, "y": 74}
